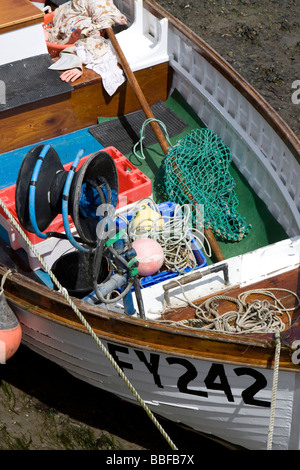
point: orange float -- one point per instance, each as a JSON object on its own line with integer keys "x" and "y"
{"x": 149, "y": 254}
{"x": 10, "y": 331}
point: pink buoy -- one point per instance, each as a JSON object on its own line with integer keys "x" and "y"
{"x": 149, "y": 254}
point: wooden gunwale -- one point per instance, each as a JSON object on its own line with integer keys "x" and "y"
{"x": 255, "y": 350}
{"x": 259, "y": 103}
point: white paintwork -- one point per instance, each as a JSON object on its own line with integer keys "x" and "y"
{"x": 257, "y": 150}
{"x": 40, "y": 5}
{"x": 243, "y": 270}
{"x": 150, "y": 39}
{"x": 235, "y": 421}
{"x": 22, "y": 43}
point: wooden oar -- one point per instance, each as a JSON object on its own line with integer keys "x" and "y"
{"x": 138, "y": 91}
{"x": 155, "y": 126}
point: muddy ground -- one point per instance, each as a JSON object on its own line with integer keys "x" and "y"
{"x": 259, "y": 38}
{"x": 42, "y": 407}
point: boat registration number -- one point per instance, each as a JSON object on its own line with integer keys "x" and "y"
{"x": 186, "y": 373}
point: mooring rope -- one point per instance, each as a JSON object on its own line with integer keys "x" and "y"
{"x": 105, "y": 351}
{"x": 9, "y": 271}
{"x": 274, "y": 390}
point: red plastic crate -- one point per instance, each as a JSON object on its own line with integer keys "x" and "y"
{"x": 134, "y": 185}
{"x": 8, "y": 197}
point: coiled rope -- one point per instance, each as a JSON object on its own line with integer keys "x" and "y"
{"x": 260, "y": 316}
{"x": 175, "y": 235}
{"x": 105, "y": 351}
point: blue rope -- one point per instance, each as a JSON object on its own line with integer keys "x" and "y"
{"x": 32, "y": 189}
{"x": 65, "y": 201}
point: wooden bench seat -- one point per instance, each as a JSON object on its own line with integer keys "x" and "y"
{"x": 80, "y": 108}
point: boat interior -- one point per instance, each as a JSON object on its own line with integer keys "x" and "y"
{"x": 82, "y": 114}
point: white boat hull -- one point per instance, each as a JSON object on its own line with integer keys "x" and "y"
{"x": 228, "y": 401}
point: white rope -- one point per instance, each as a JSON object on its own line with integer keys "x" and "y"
{"x": 263, "y": 327}
{"x": 143, "y": 136}
{"x": 175, "y": 235}
{"x": 274, "y": 391}
{"x": 64, "y": 292}
{"x": 260, "y": 316}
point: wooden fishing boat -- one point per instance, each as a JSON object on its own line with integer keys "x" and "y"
{"x": 239, "y": 385}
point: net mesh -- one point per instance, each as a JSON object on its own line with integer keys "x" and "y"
{"x": 196, "y": 172}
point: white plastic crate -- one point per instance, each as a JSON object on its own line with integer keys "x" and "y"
{"x": 50, "y": 249}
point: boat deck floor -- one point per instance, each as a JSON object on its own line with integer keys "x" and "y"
{"x": 265, "y": 229}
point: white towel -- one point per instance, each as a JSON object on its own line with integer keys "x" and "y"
{"x": 106, "y": 66}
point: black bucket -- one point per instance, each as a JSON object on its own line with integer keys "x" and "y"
{"x": 74, "y": 271}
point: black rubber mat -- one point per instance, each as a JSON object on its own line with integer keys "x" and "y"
{"x": 29, "y": 81}
{"x": 124, "y": 132}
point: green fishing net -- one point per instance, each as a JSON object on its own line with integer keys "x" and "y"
{"x": 196, "y": 172}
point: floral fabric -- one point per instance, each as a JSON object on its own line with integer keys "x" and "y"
{"x": 88, "y": 16}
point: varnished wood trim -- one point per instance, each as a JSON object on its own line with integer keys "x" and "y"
{"x": 252, "y": 350}
{"x": 16, "y": 14}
